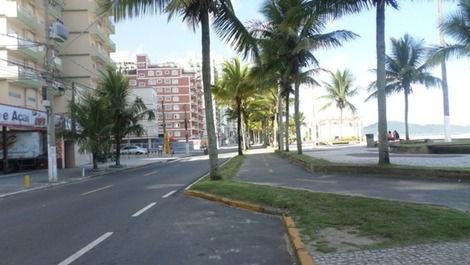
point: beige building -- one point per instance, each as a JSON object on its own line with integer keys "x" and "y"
{"x": 78, "y": 60}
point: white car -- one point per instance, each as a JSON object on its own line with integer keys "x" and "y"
{"x": 133, "y": 149}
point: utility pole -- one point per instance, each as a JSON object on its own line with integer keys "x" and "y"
{"x": 5, "y": 149}
{"x": 49, "y": 103}
{"x": 73, "y": 125}
{"x": 445, "y": 88}
{"x": 166, "y": 139}
{"x": 186, "y": 129}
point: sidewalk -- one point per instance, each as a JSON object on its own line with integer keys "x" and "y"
{"x": 264, "y": 167}
{"x": 13, "y": 183}
{"x": 363, "y": 155}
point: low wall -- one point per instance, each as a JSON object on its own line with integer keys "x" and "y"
{"x": 376, "y": 170}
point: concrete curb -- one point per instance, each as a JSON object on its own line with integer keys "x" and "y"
{"x": 369, "y": 170}
{"x": 302, "y": 255}
{"x": 81, "y": 179}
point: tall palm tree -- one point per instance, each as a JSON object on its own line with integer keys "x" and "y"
{"x": 294, "y": 42}
{"x": 233, "y": 89}
{"x": 342, "y": 7}
{"x": 457, "y": 26}
{"x": 197, "y": 13}
{"x": 94, "y": 126}
{"x": 404, "y": 68}
{"x": 339, "y": 91}
{"x": 125, "y": 115}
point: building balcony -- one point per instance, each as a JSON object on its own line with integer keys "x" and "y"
{"x": 57, "y": 63}
{"x": 100, "y": 55}
{"x": 27, "y": 78}
{"x": 112, "y": 45}
{"x": 22, "y": 48}
{"x": 98, "y": 32}
{"x": 111, "y": 26}
{"x": 27, "y": 18}
{"x": 55, "y": 11}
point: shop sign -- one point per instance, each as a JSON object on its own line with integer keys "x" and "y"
{"x": 22, "y": 117}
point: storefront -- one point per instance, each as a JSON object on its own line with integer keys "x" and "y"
{"x": 23, "y": 144}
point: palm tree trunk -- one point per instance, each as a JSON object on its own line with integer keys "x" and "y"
{"x": 264, "y": 133}
{"x": 384, "y": 158}
{"x": 95, "y": 162}
{"x": 206, "y": 82}
{"x": 280, "y": 140}
{"x": 118, "y": 150}
{"x": 407, "y": 132}
{"x": 239, "y": 128}
{"x": 445, "y": 88}
{"x": 341, "y": 135}
{"x": 287, "y": 122}
{"x": 298, "y": 133}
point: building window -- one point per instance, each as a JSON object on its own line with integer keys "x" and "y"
{"x": 175, "y": 90}
{"x": 31, "y": 99}
{"x": 14, "y": 94}
{"x": 174, "y": 72}
{"x": 167, "y": 72}
{"x": 141, "y": 84}
{"x": 152, "y": 82}
{"x": 167, "y": 98}
{"x": 174, "y": 81}
{"x": 176, "y": 107}
{"x": 176, "y": 99}
{"x": 159, "y": 90}
{"x": 132, "y": 82}
{"x": 176, "y": 116}
{"x": 150, "y": 73}
{"x": 141, "y": 75}
{"x": 169, "y": 116}
{"x": 177, "y": 134}
{"x": 167, "y": 89}
{"x": 167, "y": 81}
{"x": 168, "y": 107}
{"x": 169, "y": 125}
{"x": 159, "y": 81}
{"x": 159, "y": 73}
{"x": 141, "y": 64}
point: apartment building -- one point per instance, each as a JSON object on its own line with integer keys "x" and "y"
{"x": 179, "y": 96}
{"x": 22, "y": 53}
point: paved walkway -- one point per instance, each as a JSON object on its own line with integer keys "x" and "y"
{"x": 264, "y": 167}
{"x": 13, "y": 183}
{"x": 363, "y": 155}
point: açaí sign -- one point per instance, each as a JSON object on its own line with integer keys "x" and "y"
{"x": 22, "y": 117}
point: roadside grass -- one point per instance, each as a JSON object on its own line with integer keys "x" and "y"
{"x": 398, "y": 223}
{"x": 323, "y": 162}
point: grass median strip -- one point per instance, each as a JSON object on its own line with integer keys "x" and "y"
{"x": 395, "y": 223}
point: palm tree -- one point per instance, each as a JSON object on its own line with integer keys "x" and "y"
{"x": 339, "y": 8}
{"x": 293, "y": 42}
{"x": 125, "y": 115}
{"x": 405, "y": 67}
{"x": 196, "y": 13}
{"x": 233, "y": 89}
{"x": 457, "y": 26}
{"x": 339, "y": 91}
{"x": 94, "y": 126}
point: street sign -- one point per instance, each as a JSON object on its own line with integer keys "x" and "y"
{"x": 166, "y": 143}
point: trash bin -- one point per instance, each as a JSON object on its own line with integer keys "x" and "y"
{"x": 370, "y": 140}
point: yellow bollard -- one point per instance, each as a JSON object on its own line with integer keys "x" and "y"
{"x": 27, "y": 182}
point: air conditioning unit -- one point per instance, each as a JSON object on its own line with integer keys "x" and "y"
{"x": 58, "y": 31}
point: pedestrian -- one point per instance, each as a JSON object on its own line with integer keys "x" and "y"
{"x": 390, "y": 136}
{"x": 160, "y": 149}
{"x": 396, "y": 136}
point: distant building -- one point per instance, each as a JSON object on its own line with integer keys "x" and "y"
{"x": 331, "y": 129}
{"x": 173, "y": 93}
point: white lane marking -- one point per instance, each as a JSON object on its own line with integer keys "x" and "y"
{"x": 151, "y": 173}
{"x": 87, "y": 248}
{"x": 144, "y": 209}
{"x": 168, "y": 194}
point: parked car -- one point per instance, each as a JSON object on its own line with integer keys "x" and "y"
{"x": 133, "y": 149}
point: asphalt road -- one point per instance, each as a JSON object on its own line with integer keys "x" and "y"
{"x": 136, "y": 217}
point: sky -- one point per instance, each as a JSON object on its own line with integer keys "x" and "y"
{"x": 175, "y": 41}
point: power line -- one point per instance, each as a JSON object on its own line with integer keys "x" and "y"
{"x": 18, "y": 38}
